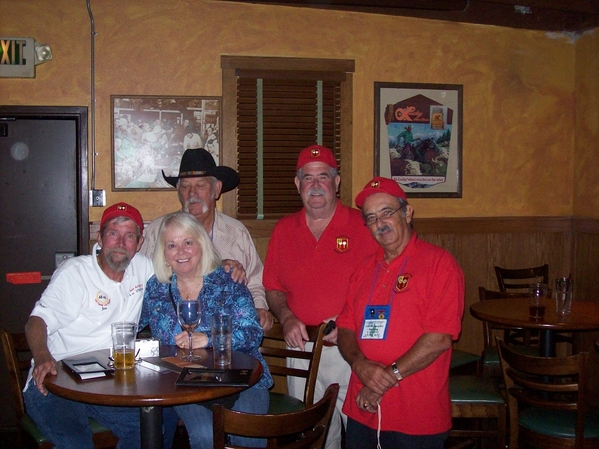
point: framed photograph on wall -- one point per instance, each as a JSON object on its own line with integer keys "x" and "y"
{"x": 418, "y": 137}
{"x": 151, "y": 133}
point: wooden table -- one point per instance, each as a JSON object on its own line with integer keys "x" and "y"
{"x": 514, "y": 312}
{"x": 147, "y": 389}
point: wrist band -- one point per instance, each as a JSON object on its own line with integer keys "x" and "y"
{"x": 396, "y": 371}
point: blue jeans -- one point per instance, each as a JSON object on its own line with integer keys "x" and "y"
{"x": 170, "y": 421}
{"x": 359, "y": 436}
{"x": 198, "y": 419}
{"x": 66, "y": 423}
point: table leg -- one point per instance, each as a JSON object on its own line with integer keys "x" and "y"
{"x": 151, "y": 427}
{"x": 547, "y": 343}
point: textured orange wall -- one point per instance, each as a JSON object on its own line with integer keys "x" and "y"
{"x": 520, "y": 86}
{"x": 586, "y": 159}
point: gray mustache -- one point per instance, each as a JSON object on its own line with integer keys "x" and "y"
{"x": 316, "y": 191}
{"x": 383, "y": 229}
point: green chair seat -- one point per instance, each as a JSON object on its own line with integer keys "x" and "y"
{"x": 474, "y": 389}
{"x": 30, "y": 427}
{"x": 463, "y": 362}
{"x": 491, "y": 355}
{"x": 283, "y": 403}
{"x": 558, "y": 423}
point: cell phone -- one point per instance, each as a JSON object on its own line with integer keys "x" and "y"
{"x": 329, "y": 327}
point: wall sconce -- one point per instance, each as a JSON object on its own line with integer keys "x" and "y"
{"x": 43, "y": 53}
{"x": 20, "y": 55}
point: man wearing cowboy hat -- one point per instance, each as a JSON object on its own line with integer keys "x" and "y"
{"x": 199, "y": 184}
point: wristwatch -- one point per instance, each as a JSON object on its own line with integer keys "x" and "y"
{"x": 396, "y": 371}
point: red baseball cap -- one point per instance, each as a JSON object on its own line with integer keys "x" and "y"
{"x": 380, "y": 185}
{"x": 316, "y": 153}
{"x": 122, "y": 210}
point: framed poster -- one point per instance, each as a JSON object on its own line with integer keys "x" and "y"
{"x": 151, "y": 133}
{"x": 418, "y": 137}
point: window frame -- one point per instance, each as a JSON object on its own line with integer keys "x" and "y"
{"x": 230, "y": 65}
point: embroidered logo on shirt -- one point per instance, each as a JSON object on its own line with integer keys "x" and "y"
{"x": 102, "y": 300}
{"x": 402, "y": 282}
{"x": 139, "y": 288}
{"x": 342, "y": 244}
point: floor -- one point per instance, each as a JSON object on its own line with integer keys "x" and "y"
{"x": 8, "y": 440}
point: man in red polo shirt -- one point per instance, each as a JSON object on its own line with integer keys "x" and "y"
{"x": 404, "y": 308}
{"x": 310, "y": 258}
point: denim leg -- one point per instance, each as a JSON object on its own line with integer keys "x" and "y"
{"x": 63, "y": 422}
{"x": 122, "y": 421}
{"x": 256, "y": 401}
{"x": 198, "y": 422}
{"x": 170, "y": 421}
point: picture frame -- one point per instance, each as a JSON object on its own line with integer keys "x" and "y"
{"x": 418, "y": 137}
{"x": 151, "y": 133}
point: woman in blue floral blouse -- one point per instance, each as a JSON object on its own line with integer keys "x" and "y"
{"x": 188, "y": 267}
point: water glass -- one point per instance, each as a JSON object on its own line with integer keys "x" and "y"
{"x": 221, "y": 327}
{"x": 564, "y": 293}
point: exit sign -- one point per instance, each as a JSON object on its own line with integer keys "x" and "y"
{"x": 17, "y": 57}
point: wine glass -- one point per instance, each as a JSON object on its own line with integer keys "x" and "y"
{"x": 189, "y": 315}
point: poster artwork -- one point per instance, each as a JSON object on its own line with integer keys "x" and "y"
{"x": 419, "y": 137}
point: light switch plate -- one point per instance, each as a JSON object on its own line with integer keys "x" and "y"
{"x": 97, "y": 198}
{"x": 61, "y": 256}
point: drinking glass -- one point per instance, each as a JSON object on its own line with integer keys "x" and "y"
{"x": 564, "y": 292}
{"x": 537, "y": 294}
{"x": 189, "y": 314}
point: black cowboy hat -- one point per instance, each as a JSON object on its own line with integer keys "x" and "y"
{"x": 198, "y": 162}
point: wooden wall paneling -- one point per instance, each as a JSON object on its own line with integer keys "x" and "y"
{"x": 568, "y": 245}
{"x": 469, "y": 252}
{"x": 585, "y": 273}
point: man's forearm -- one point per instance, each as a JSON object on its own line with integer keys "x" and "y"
{"x": 424, "y": 352}
{"x": 37, "y": 336}
{"x": 348, "y": 346}
{"x": 277, "y": 303}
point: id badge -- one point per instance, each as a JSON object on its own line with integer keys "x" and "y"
{"x": 376, "y": 319}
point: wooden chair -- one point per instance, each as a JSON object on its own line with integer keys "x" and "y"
{"x": 547, "y": 401}
{"x": 490, "y": 356}
{"x": 17, "y": 356}
{"x": 276, "y": 353}
{"x": 478, "y": 398}
{"x": 306, "y": 428}
{"x": 518, "y": 279}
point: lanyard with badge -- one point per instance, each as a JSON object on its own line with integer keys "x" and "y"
{"x": 376, "y": 318}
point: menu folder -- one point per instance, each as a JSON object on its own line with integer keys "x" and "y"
{"x": 88, "y": 367}
{"x": 203, "y": 377}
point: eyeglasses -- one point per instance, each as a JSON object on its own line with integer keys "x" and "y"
{"x": 372, "y": 219}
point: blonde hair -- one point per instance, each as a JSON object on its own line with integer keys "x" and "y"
{"x": 187, "y": 223}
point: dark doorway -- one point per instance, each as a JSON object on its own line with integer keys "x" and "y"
{"x": 44, "y": 208}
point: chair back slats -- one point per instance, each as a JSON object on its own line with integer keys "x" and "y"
{"x": 554, "y": 383}
{"x": 273, "y": 347}
{"x": 484, "y": 295}
{"x": 308, "y": 427}
{"x": 518, "y": 279}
